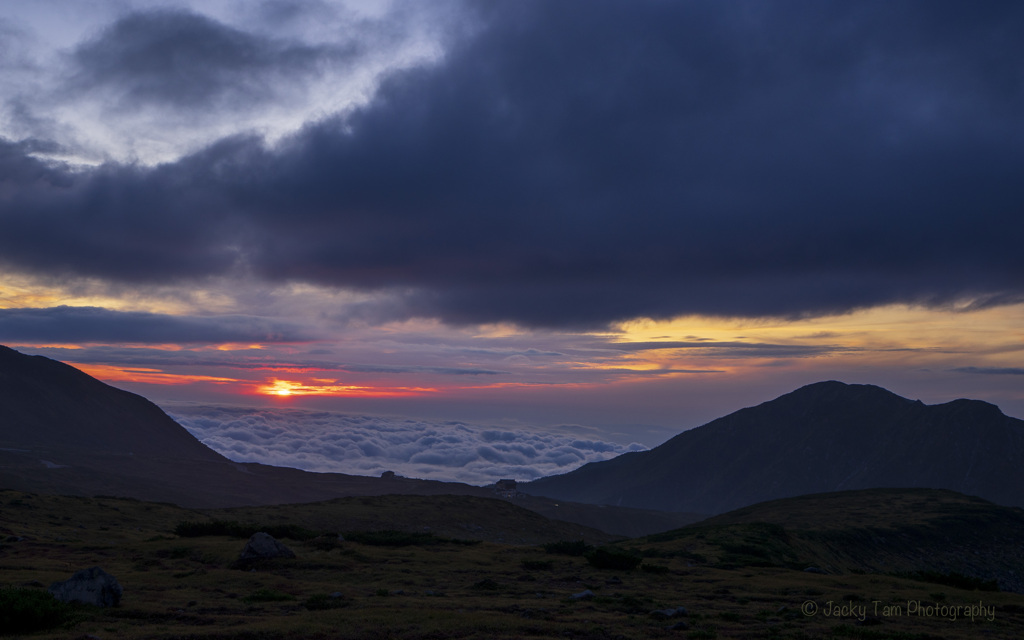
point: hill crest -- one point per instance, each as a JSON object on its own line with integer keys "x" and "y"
{"x": 49, "y": 405}
{"x": 824, "y": 437}
{"x": 64, "y": 432}
{"x": 912, "y": 532}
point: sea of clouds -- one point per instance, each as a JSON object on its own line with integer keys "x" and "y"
{"x": 368, "y": 445}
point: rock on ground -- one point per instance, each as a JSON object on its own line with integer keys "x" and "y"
{"x": 263, "y": 545}
{"x": 92, "y": 586}
{"x": 664, "y": 614}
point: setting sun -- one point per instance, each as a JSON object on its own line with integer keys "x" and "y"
{"x": 279, "y": 388}
{"x": 320, "y": 387}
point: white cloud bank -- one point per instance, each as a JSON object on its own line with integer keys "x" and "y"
{"x": 368, "y": 445}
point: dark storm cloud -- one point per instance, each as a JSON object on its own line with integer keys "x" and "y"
{"x": 18, "y": 169}
{"x": 122, "y": 222}
{"x": 579, "y": 163}
{"x": 659, "y": 372}
{"x": 93, "y": 324}
{"x": 14, "y": 44}
{"x": 160, "y": 329}
{"x": 506, "y": 353}
{"x": 1003, "y": 371}
{"x": 736, "y": 349}
{"x": 177, "y": 59}
{"x": 451, "y": 371}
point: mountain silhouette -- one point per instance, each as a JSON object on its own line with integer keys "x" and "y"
{"x": 45, "y": 404}
{"x": 823, "y": 437}
{"x": 65, "y": 432}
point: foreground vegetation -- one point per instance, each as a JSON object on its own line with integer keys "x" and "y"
{"x": 180, "y": 578}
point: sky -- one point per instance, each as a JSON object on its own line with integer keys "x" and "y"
{"x": 469, "y": 240}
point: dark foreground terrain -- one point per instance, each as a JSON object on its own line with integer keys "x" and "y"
{"x": 477, "y": 568}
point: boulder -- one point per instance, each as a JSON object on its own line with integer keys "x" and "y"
{"x": 92, "y": 586}
{"x": 665, "y": 614}
{"x": 263, "y": 545}
{"x": 583, "y": 595}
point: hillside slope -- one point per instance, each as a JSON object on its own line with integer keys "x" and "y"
{"x": 64, "y": 432}
{"x": 45, "y": 404}
{"x": 922, "y": 532}
{"x": 823, "y": 437}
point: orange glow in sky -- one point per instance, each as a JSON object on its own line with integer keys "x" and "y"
{"x": 285, "y": 388}
{"x": 110, "y": 373}
{"x": 662, "y": 367}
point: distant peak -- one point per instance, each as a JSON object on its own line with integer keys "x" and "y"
{"x": 840, "y": 394}
{"x": 975, "y": 406}
{"x": 825, "y": 384}
{"x": 836, "y": 387}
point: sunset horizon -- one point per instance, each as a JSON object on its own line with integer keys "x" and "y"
{"x": 462, "y": 240}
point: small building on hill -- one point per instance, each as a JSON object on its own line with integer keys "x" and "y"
{"x": 505, "y": 488}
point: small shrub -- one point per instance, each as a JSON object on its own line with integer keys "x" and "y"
{"x": 322, "y": 602}
{"x": 235, "y": 529}
{"x": 267, "y": 595}
{"x": 144, "y": 564}
{"x": 324, "y": 543}
{"x": 744, "y": 549}
{"x": 612, "y": 558}
{"x": 232, "y": 528}
{"x": 486, "y": 585}
{"x": 654, "y": 552}
{"x": 627, "y": 604}
{"x": 28, "y": 610}
{"x": 392, "y": 538}
{"x": 654, "y": 568}
{"x": 568, "y": 547}
{"x": 952, "y": 579}
{"x": 535, "y": 565}
{"x": 292, "y": 531}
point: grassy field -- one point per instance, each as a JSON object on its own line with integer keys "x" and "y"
{"x": 442, "y": 584}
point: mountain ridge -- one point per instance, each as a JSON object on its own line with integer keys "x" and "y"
{"x": 63, "y": 432}
{"x": 824, "y": 437}
{"x": 909, "y": 532}
{"x": 40, "y": 396}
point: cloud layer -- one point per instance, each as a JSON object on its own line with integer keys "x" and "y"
{"x": 370, "y": 445}
{"x": 133, "y": 80}
{"x": 573, "y": 164}
{"x": 97, "y": 325}
{"x": 175, "y": 59}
